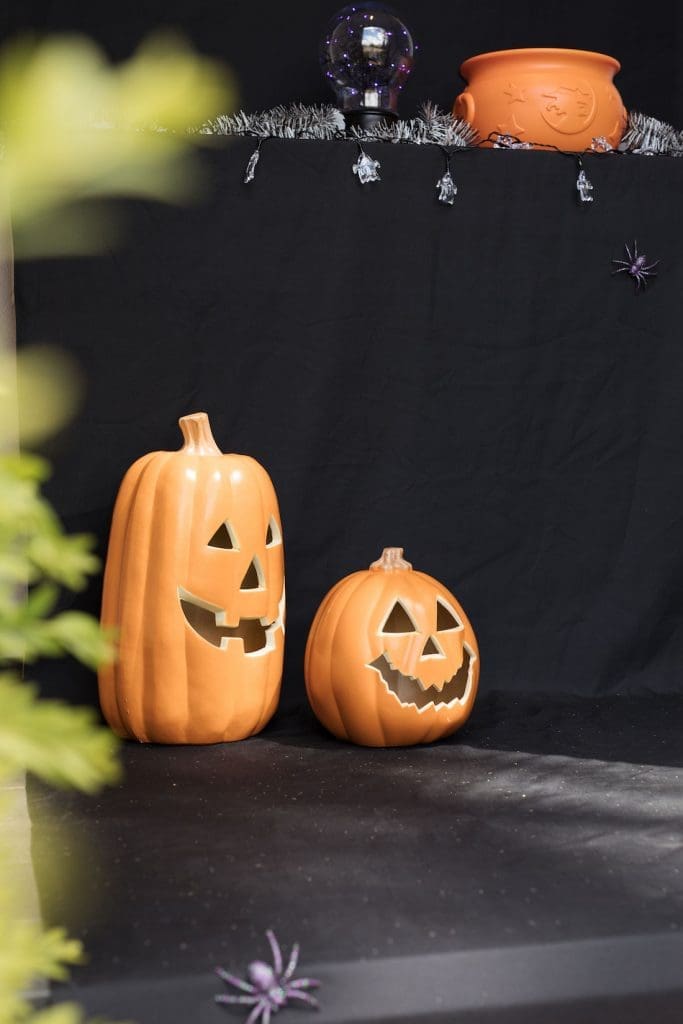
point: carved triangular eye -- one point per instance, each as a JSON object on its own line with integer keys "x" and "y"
{"x": 445, "y": 619}
{"x": 273, "y": 535}
{"x": 224, "y": 537}
{"x": 398, "y": 621}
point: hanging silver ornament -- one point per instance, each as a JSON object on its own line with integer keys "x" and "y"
{"x": 366, "y": 168}
{"x": 601, "y": 145}
{"x": 448, "y": 190}
{"x": 250, "y": 170}
{"x": 509, "y": 142}
{"x": 584, "y": 187}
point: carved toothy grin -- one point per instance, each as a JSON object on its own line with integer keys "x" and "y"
{"x": 208, "y": 620}
{"x": 412, "y": 692}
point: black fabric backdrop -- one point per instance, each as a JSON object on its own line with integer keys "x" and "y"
{"x": 273, "y": 47}
{"x": 470, "y": 383}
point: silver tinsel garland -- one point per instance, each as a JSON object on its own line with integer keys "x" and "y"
{"x": 297, "y": 121}
{"x": 649, "y": 136}
{"x": 644, "y": 135}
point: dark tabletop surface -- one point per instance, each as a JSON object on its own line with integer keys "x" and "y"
{"x": 543, "y": 821}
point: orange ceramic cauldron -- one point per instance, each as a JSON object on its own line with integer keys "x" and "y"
{"x": 563, "y": 98}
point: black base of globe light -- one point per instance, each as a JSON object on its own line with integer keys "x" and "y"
{"x": 367, "y": 55}
{"x": 368, "y": 118}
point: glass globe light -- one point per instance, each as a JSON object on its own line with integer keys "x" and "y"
{"x": 367, "y": 55}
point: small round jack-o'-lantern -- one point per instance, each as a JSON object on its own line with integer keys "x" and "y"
{"x": 194, "y": 585}
{"x": 391, "y": 657}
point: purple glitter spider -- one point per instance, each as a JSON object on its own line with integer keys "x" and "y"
{"x": 635, "y": 266}
{"x": 269, "y": 988}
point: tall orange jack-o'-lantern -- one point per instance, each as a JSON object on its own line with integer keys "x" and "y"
{"x": 194, "y": 584}
{"x": 391, "y": 657}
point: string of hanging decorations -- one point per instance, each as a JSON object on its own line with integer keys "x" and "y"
{"x": 644, "y": 136}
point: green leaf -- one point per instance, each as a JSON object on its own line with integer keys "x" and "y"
{"x": 13, "y": 645}
{"x": 68, "y": 560}
{"x": 26, "y": 952}
{"x": 25, "y": 466}
{"x": 24, "y": 637}
{"x": 41, "y": 600}
{"x": 15, "y": 567}
{"x": 61, "y": 744}
{"x": 80, "y": 635}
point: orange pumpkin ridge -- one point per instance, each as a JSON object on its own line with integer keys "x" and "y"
{"x": 110, "y": 609}
{"x": 112, "y": 599}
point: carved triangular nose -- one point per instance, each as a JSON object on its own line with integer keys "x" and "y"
{"x": 430, "y": 647}
{"x": 253, "y": 578}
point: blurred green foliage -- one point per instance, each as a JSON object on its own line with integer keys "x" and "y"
{"x": 75, "y": 127}
{"x": 71, "y": 127}
{"x": 64, "y": 746}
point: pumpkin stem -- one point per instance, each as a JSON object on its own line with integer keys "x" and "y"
{"x": 392, "y": 560}
{"x": 197, "y": 435}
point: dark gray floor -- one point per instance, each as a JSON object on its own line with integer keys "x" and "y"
{"x": 542, "y": 823}
{"x": 626, "y": 980}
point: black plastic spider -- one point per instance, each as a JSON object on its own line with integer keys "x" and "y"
{"x": 635, "y": 266}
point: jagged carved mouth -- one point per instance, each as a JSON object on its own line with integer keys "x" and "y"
{"x": 208, "y": 620}
{"x": 410, "y": 691}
